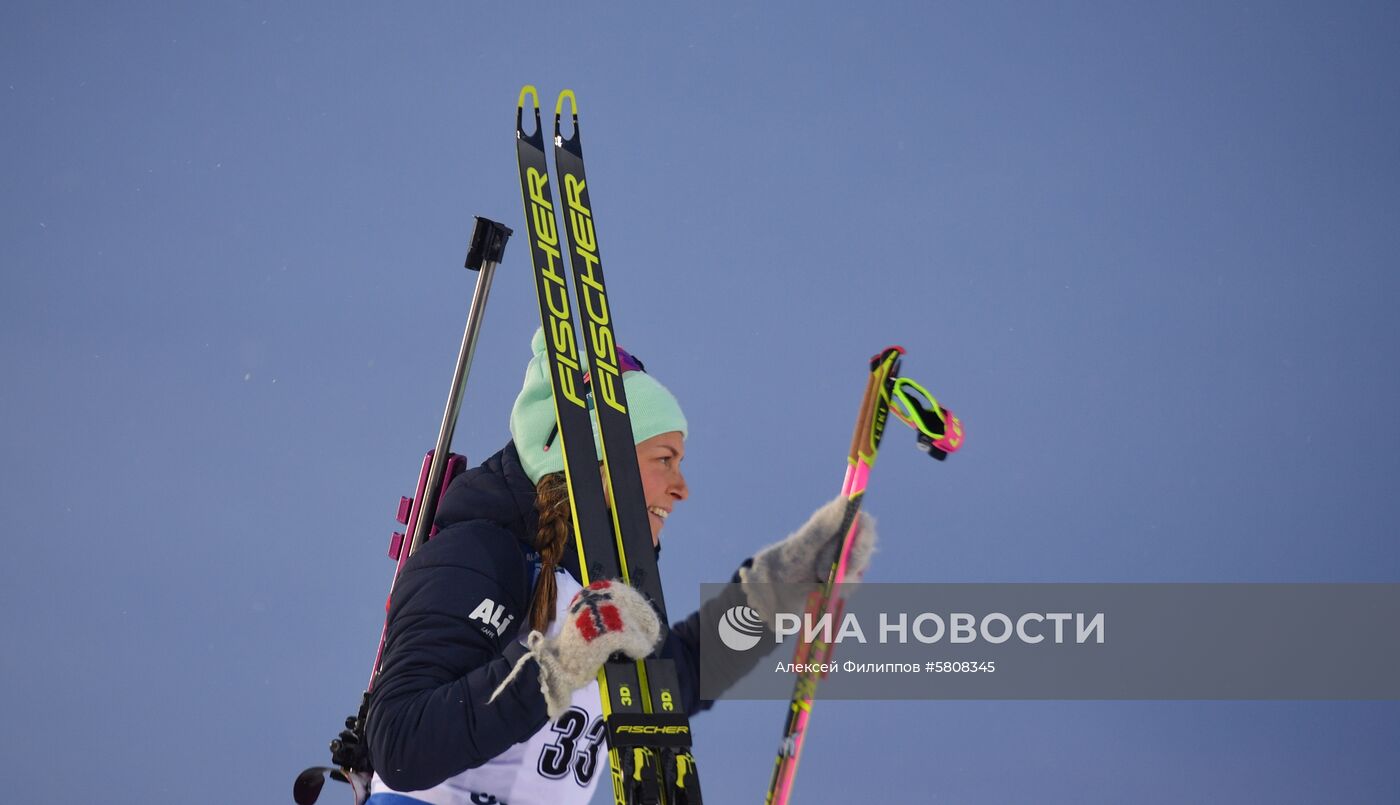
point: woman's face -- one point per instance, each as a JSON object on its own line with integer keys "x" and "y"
{"x": 662, "y": 482}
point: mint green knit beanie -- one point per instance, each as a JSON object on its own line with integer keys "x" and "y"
{"x": 653, "y": 409}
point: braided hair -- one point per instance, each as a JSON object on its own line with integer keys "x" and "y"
{"x": 551, "y": 538}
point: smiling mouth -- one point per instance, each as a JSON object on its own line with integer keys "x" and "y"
{"x": 659, "y": 512}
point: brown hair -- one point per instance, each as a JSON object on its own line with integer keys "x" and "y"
{"x": 551, "y": 538}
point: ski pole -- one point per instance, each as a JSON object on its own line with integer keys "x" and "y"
{"x": 940, "y": 433}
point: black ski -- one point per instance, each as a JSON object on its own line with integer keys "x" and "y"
{"x": 660, "y": 689}
{"x": 648, "y": 735}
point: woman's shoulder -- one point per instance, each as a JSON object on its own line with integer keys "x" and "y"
{"x": 463, "y": 565}
{"x": 497, "y": 490}
{"x": 482, "y": 546}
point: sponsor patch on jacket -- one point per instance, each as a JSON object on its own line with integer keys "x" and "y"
{"x": 491, "y": 615}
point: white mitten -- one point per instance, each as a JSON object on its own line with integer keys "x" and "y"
{"x": 784, "y": 570}
{"x": 604, "y": 618}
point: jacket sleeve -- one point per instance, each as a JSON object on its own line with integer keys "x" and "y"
{"x": 447, "y": 648}
{"x": 682, "y": 646}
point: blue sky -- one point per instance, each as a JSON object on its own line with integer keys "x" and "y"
{"x": 1147, "y": 252}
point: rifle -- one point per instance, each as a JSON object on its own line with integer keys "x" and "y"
{"x": 349, "y": 750}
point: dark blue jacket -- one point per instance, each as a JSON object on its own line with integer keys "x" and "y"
{"x": 429, "y": 719}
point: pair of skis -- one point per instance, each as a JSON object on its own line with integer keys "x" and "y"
{"x": 648, "y": 734}
{"x": 939, "y": 433}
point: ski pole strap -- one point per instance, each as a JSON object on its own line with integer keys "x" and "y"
{"x": 940, "y": 432}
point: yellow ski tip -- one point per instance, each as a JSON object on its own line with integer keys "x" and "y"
{"x": 559, "y": 105}
{"x": 529, "y": 90}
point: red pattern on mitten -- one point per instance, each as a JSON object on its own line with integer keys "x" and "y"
{"x": 594, "y": 614}
{"x": 604, "y": 618}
